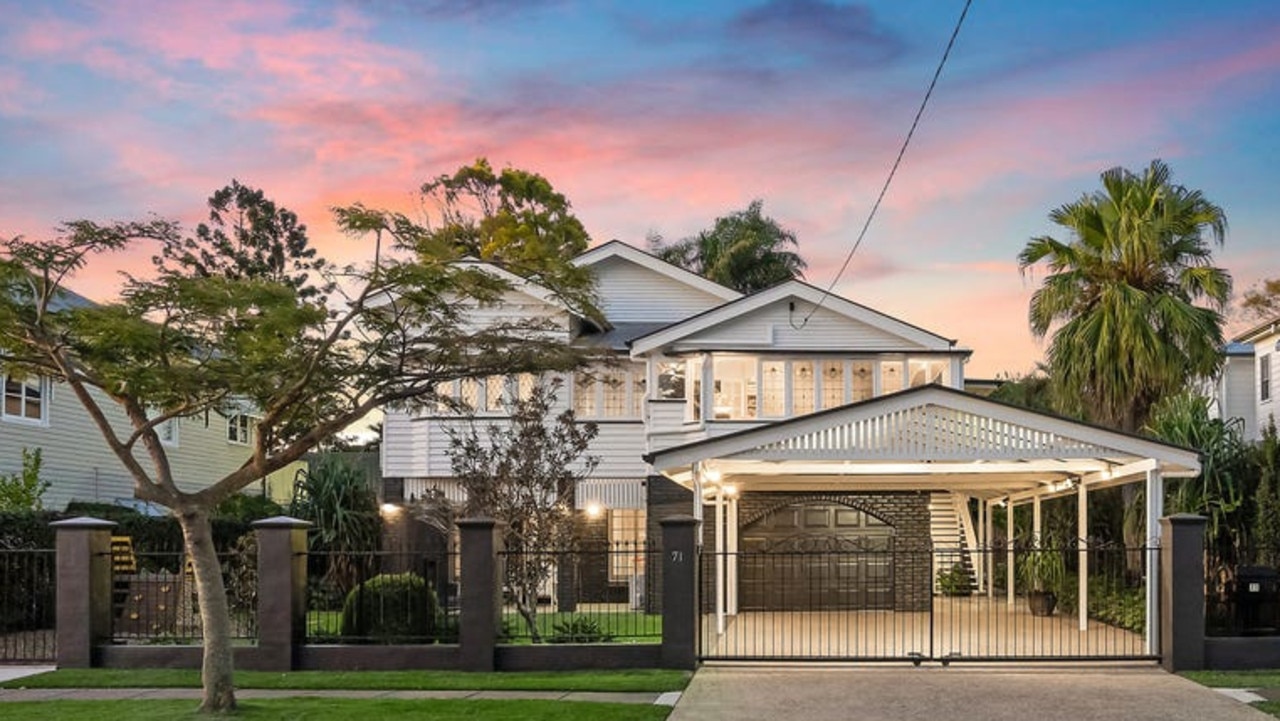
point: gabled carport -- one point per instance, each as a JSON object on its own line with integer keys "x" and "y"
{"x": 926, "y": 439}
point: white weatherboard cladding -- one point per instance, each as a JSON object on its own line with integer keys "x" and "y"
{"x": 777, "y": 327}
{"x": 929, "y": 432}
{"x": 79, "y": 466}
{"x": 612, "y": 493}
{"x": 629, "y": 292}
{"x": 1237, "y": 392}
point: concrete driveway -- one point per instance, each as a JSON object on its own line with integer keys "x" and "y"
{"x": 962, "y": 692}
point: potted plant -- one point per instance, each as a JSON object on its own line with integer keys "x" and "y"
{"x": 1042, "y": 573}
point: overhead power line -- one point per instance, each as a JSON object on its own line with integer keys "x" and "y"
{"x": 896, "y": 162}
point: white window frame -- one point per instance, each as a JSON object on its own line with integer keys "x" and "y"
{"x": 42, "y": 387}
{"x": 243, "y": 435}
{"x": 1264, "y": 378}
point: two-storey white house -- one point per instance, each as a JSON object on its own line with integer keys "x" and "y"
{"x": 786, "y": 419}
{"x": 1248, "y": 384}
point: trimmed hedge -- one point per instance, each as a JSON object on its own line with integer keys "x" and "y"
{"x": 391, "y": 608}
{"x": 150, "y": 534}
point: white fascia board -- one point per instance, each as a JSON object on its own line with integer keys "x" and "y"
{"x": 799, "y": 291}
{"x": 619, "y": 249}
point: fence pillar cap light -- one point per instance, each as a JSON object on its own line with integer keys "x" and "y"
{"x": 281, "y": 522}
{"x": 83, "y": 522}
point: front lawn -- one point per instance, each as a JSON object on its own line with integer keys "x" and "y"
{"x": 316, "y": 709}
{"x": 641, "y": 680}
{"x": 1264, "y": 678}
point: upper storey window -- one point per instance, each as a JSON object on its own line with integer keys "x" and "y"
{"x": 754, "y": 388}
{"x": 25, "y": 400}
{"x": 610, "y": 392}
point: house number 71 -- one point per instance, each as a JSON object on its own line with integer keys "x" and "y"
{"x": 677, "y": 556}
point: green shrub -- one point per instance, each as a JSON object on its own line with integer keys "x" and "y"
{"x": 579, "y": 629}
{"x": 27, "y": 529}
{"x": 956, "y": 581}
{"x": 247, "y": 508}
{"x": 240, "y": 570}
{"x": 390, "y": 608}
{"x": 22, "y": 491}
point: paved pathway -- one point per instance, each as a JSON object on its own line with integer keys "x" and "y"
{"x": 962, "y": 692}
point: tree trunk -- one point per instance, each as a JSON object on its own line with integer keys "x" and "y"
{"x": 215, "y": 616}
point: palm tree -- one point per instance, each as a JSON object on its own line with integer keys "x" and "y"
{"x": 1132, "y": 297}
{"x": 744, "y": 250}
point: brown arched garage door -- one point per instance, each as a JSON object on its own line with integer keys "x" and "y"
{"x": 816, "y": 556}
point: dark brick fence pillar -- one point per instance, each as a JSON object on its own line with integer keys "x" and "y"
{"x": 679, "y": 592}
{"x": 480, "y": 593}
{"x": 282, "y": 591}
{"x": 84, "y": 589}
{"x": 1182, "y": 592}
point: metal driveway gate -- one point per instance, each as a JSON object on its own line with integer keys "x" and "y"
{"x": 861, "y": 598}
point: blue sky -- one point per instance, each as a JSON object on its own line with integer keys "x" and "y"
{"x": 658, "y": 117}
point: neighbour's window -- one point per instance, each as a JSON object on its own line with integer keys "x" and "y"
{"x": 24, "y": 400}
{"x": 168, "y": 432}
{"x": 239, "y": 428}
{"x": 1264, "y": 377}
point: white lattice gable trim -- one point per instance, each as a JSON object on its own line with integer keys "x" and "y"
{"x": 930, "y": 425}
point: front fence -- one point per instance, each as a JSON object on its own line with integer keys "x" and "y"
{"x": 27, "y": 602}
{"x": 1242, "y": 592}
{"x": 154, "y": 599}
{"x": 887, "y": 603}
{"x": 596, "y": 594}
{"x": 382, "y": 597}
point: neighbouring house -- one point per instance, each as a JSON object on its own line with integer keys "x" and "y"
{"x": 1247, "y": 386}
{"x": 76, "y": 462}
{"x": 799, "y": 420}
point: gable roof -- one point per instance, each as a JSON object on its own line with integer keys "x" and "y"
{"x": 933, "y": 429}
{"x": 1260, "y": 331}
{"x": 619, "y": 249}
{"x": 792, "y": 289}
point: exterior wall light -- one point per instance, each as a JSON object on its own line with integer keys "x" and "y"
{"x": 594, "y": 510}
{"x": 389, "y": 509}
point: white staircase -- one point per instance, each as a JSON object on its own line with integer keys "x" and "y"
{"x": 949, "y": 541}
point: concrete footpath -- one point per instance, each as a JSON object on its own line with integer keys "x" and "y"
{"x": 961, "y": 692}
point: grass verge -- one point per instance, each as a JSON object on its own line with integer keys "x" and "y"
{"x": 1266, "y": 678}
{"x": 314, "y": 709}
{"x": 655, "y": 680}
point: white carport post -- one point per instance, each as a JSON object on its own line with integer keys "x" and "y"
{"x": 1035, "y": 521}
{"x": 697, "y": 496}
{"x": 1155, "y": 509}
{"x": 731, "y": 581}
{"x": 720, "y": 538}
{"x": 1082, "y": 544}
{"x": 990, "y": 557}
{"x": 1008, "y": 548}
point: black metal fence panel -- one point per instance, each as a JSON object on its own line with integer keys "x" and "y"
{"x": 597, "y": 594}
{"x": 875, "y": 604}
{"x": 154, "y": 599}
{"x": 401, "y": 597}
{"x": 1242, "y": 593}
{"x": 27, "y": 602}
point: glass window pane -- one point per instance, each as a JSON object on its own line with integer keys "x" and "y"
{"x": 615, "y": 393}
{"x": 671, "y": 379}
{"x": 584, "y": 395}
{"x": 469, "y": 392}
{"x": 890, "y": 376}
{"x": 832, "y": 384}
{"x": 524, "y": 386}
{"x": 863, "y": 381}
{"x": 639, "y": 384}
{"x": 735, "y": 388}
{"x": 801, "y": 387}
{"x": 925, "y": 371}
{"x": 494, "y": 387}
{"x": 773, "y": 388}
